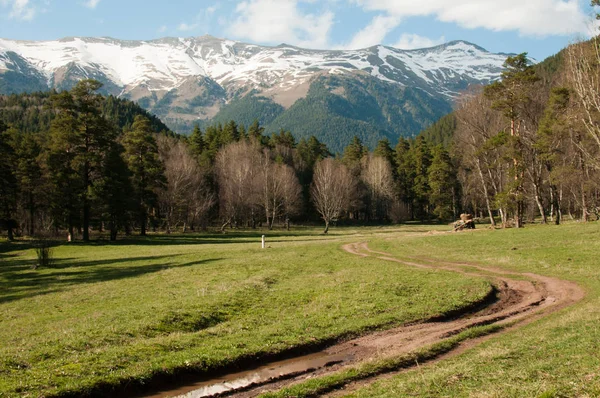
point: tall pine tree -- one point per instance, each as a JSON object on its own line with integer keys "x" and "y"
{"x": 147, "y": 171}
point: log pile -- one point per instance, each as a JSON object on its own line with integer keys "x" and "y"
{"x": 466, "y": 222}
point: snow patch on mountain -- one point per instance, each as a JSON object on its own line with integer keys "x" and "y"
{"x": 163, "y": 65}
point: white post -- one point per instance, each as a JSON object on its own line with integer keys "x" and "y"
{"x": 263, "y": 241}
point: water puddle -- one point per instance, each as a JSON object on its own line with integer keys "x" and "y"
{"x": 260, "y": 375}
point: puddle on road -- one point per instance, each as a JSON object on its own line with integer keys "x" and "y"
{"x": 260, "y": 375}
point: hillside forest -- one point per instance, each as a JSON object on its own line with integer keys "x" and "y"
{"x": 523, "y": 148}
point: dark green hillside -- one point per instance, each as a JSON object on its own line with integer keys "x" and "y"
{"x": 30, "y": 113}
{"x": 442, "y": 131}
{"x": 249, "y": 108}
{"x": 338, "y": 108}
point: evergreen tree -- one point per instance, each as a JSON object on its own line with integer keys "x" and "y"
{"x": 442, "y": 184}
{"x": 29, "y": 175}
{"x": 421, "y": 155}
{"x": 147, "y": 171}
{"x": 353, "y": 155}
{"x": 511, "y": 96}
{"x": 84, "y": 135}
{"x": 230, "y": 133}
{"x": 197, "y": 144}
{"x": 384, "y": 150}
{"x": 550, "y": 140}
{"x": 284, "y": 138}
{"x": 405, "y": 171}
{"x": 8, "y": 181}
{"x": 255, "y": 130}
{"x": 112, "y": 191}
{"x": 311, "y": 151}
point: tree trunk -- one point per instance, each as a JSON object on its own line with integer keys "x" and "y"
{"x": 585, "y": 215}
{"x": 519, "y": 214}
{"x": 143, "y": 224}
{"x": 326, "y": 227}
{"x": 86, "y": 205}
{"x": 485, "y": 193}
{"x": 31, "y": 215}
{"x": 555, "y": 203}
{"x": 538, "y": 201}
{"x": 71, "y": 232}
{"x": 503, "y": 217}
{"x": 11, "y": 236}
{"x": 113, "y": 231}
{"x": 227, "y": 222}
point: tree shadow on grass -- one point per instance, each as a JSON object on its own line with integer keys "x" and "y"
{"x": 19, "y": 281}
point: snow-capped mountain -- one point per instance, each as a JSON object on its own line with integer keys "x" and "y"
{"x": 189, "y": 79}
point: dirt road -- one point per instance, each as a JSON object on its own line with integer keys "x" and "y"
{"x": 521, "y": 298}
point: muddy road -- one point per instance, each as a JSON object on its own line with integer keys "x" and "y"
{"x": 519, "y": 298}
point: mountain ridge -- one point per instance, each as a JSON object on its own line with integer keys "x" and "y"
{"x": 192, "y": 80}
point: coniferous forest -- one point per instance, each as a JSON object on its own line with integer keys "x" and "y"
{"x": 524, "y": 148}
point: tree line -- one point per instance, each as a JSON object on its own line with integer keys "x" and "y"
{"x": 528, "y": 146}
{"x": 79, "y": 171}
{"x": 524, "y": 147}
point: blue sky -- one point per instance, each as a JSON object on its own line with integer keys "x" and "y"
{"x": 539, "y": 27}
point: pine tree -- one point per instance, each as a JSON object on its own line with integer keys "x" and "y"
{"x": 421, "y": 155}
{"x": 197, "y": 144}
{"x": 550, "y": 140}
{"x": 112, "y": 191}
{"x": 8, "y": 181}
{"x": 82, "y": 132}
{"x": 384, "y": 150}
{"x": 230, "y": 133}
{"x": 29, "y": 175}
{"x": 442, "y": 184}
{"x": 256, "y": 130}
{"x": 353, "y": 155}
{"x": 147, "y": 171}
{"x": 511, "y": 95}
{"x": 405, "y": 172}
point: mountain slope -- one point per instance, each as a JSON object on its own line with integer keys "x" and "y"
{"x": 190, "y": 80}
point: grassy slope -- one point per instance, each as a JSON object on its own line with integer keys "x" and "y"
{"x": 165, "y": 304}
{"x": 558, "y": 356}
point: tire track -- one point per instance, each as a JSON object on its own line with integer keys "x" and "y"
{"x": 522, "y": 298}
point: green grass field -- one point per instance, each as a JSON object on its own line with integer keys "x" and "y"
{"x": 106, "y": 316}
{"x": 556, "y": 356}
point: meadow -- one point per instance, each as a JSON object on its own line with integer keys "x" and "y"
{"x": 557, "y": 355}
{"x": 122, "y": 318}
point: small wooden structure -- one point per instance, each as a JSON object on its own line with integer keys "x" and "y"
{"x": 466, "y": 222}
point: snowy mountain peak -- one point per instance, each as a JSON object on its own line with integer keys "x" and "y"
{"x": 191, "y": 78}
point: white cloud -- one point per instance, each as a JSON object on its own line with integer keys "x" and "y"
{"x": 374, "y": 33}
{"x": 162, "y": 29}
{"x": 528, "y": 17}
{"x": 19, "y": 9}
{"x": 91, "y": 3}
{"x": 184, "y": 27}
{"x": 411, "y": 41}
{"x": 281, "y": 21}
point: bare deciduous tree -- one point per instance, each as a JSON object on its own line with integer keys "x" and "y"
{"x": 584, "y": 77}
{"x": 187, "y": 196}
{"x": 331, "y": 190}
{"x": 236, "y": 167}
{"x": 379, "y": 180}
{"x": 477, "y": 126}
{"x": 279, "y": 190}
